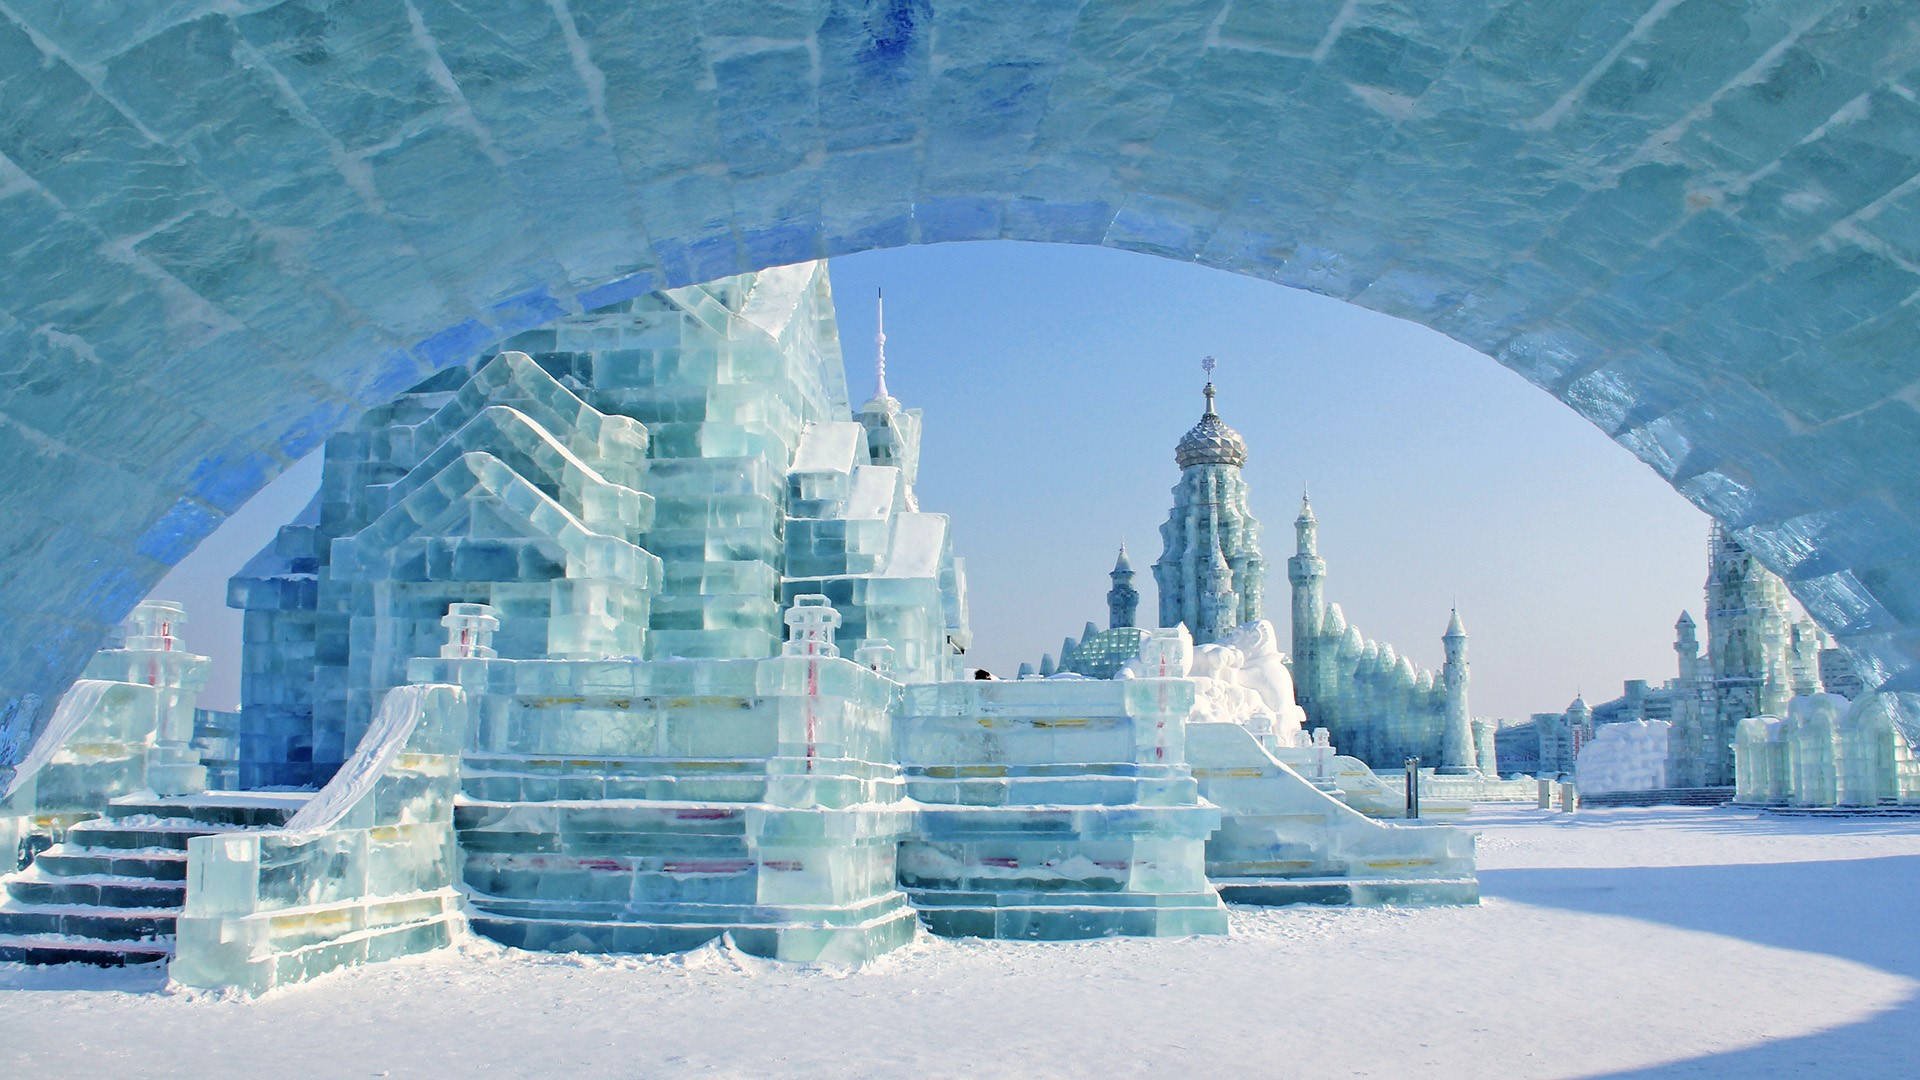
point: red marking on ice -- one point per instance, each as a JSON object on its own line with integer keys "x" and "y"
{"x": 601, "y": 864}
{"x": 783, "y": 864}
{"x": 1006, "y": 863}
{"x": 1111, "y": 864}
{"x": 704, "y": 815}
{"x": 813, "y": 691}
{"x": 706, "y": 866}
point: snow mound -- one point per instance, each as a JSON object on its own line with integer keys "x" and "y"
{"x": 1624, "y": 757}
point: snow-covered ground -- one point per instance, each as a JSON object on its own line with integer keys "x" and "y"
{"x": 1630, "y": 942}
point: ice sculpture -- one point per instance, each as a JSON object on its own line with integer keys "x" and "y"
{"x": 364, "y": 871}
{"x": 1211, "y": 574}
{"x": 1378, "y": 707}
{"x": 1056, "y": 808}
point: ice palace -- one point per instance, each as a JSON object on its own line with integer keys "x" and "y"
{"x": 634, "y": 634}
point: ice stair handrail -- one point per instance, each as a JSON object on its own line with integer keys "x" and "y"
{"x": 1219, "y": 753}
{"x": 75, "y": 706}
{"x": 365, "y": 871}
{"x": 390, "y": 733}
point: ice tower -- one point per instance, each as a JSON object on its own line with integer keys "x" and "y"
{"x": 1211, "y": 574}
{"x": 1749, "y": 636}
{"x": 1123, "y": 600}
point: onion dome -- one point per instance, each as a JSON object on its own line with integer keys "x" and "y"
{"x": 1211, "y": 441}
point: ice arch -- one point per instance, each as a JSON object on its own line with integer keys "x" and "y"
{"x": 230, "y": 224}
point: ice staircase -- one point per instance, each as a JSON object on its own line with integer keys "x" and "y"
{"x": 1285, "y": 840}
{"x": 111, "y": 891}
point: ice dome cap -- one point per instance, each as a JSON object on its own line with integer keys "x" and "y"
{"x": 1211, "y": 441}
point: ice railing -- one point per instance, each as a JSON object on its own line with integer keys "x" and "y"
{"x": 365, "y": 871}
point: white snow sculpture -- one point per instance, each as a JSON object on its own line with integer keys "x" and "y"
{"x": 1624, "y": 757}
{"x": 1244, "y": 680}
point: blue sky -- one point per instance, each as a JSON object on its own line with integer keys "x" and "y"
{"x": 1056, "y": 381}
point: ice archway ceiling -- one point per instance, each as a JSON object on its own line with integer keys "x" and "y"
{"x": 227, "y": 225}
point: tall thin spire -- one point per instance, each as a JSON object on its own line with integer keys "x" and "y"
{"x": 1207, "y": 364}
{"x": 880, "y": 344}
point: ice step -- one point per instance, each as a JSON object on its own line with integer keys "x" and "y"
{"x": 141, "y": 833}
{"x": 109, "y": 924}
{"x": 34, "y": 886}
{"x": 64, "y": 949}
{"x": 1350, "y": 891}
{"x": 154, "y": 864}
{"x": 222, "y": 810}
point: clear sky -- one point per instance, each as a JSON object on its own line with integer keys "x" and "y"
{"x": 1056, "y": 381}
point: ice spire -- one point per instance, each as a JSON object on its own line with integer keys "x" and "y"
{"x": 1206, "y": 364}
{"x": 880, "y": 344}
{"x": 1123, "y": 564}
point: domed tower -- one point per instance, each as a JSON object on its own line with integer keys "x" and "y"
{"x": 1123, "y": 600}
{"x": 1210, "y": 572}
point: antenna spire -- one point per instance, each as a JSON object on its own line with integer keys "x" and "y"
{"x": 1207, "y": 365}
{"x": 880, "y": 344}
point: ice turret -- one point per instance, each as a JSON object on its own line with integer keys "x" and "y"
{"x": 1456, "y": 736}
{"x": 1123, "y": 600}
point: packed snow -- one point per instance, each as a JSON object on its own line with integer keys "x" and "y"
{"x": 1657, "y": 942}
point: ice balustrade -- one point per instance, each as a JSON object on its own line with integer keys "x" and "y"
{"x": 1283, "y": 840}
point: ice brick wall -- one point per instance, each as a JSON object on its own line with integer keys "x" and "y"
{"x": 234, "y": 225}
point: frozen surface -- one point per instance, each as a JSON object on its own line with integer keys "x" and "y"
{"x": 1709, "y": 936}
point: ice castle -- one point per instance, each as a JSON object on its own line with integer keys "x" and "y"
{"x": 1375, "y": 705}
{"x": 632, "y": 635}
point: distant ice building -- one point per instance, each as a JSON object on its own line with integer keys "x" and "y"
{"x": 1212, "y": 579}
{"x": 1759, "y": 655}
